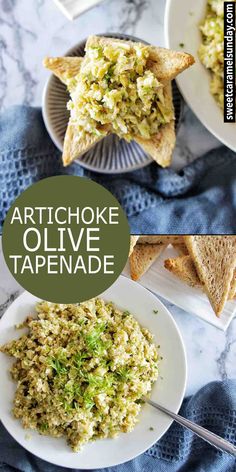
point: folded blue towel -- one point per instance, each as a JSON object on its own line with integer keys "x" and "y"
{"x": 199, "y": 199}
{"x": 213, "y": 407}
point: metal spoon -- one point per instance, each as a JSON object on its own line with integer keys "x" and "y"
{"x": 203, "y": 433}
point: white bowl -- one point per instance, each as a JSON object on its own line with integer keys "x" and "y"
{"x": 168, "y": 390}
{"x": 182, "y": 19}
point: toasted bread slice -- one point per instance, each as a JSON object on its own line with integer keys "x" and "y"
{"x": 181, "y": 248}
{"x": 65, "y": 68}
{"x": 133, "y": 242}
{"x": 142, "y": 257}
{"x": 232, "y": 292}
{"x": 215, "y": 260}
{"x": 167, "y": 64}
{"x": 161, "y": 145}
{"x": 184, "y": 268}
{"x": 164, "y": 63}
{"x": 160, "y": 239}
{"x": 74, "y": 148}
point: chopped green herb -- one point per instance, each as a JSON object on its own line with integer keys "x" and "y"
{"x": 181, "y": 45}
{"x": 88, "y": 401}
{"x": 140, "y": 402}
{"x": 155, "y": 312}
{"x": 125, "y": 314}
{"x": 79, "y": 359}
{"x": 93, "y": 341}
{"x": 123, "y": 374}
{"x": 44, "y": 427}
{"x": 58, "y": 366}
{"x": 109, "y": 73}
{"x": 151, "y": 428}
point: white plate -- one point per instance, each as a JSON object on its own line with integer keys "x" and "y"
{"x": 182, "y": 19}
{"x": 168, "y": 390}
{"x": 160, "y": 281}
{"x": 74, "y": 8}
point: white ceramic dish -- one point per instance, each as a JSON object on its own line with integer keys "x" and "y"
{"x": 168, "y": 390}
{"x": 111, "y": 155}
{"x": 182, "y": 19}
{"x": 160, "y": 281}
{"x": 73, "y": 8}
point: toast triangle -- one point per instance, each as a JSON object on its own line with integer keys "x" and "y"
{"x": 160, "y": 146}
{"x": 183, "y": 267}
{"x": 64, "y": 68}
{"x": 133, "y": 242}
{"x": 142, "y": 257}
{"x": 214, "y": 258}
{"x": 164, "y": 63}
{"x": 74, "y": 148}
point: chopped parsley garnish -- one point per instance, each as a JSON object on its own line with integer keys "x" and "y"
{"x": 93, "y": 341}
{"x": 123, "y": 373}
{"x": 125, "y": 314}
{"x": 44, "y": 427}
{"x": 58, "y": 366}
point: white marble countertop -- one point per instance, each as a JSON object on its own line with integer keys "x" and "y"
{"x": 32, "y": 29}
{"x": 211, "y": 353}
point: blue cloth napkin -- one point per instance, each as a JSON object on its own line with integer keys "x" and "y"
{"x": 199, "y": 199}
{"x": 213, "y": 407}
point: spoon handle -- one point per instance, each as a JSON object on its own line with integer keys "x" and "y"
{"x": 203, "y": 433}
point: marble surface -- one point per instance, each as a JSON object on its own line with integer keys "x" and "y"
{"x": 211, "y": 353}
{"x": 32, "y": 29}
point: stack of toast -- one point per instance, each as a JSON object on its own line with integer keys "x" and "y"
{"x": 205, "y": 262}
{"x": 163, "y": 63}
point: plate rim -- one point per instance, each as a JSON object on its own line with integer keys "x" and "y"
{"x": 197, "y": 113}
{"x": 167, "y": 313}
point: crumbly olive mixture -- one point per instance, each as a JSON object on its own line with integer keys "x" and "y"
{"x": 211, "y": 51}
{"x": 81, "y": 371}
{"x": 115, "y": 87}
